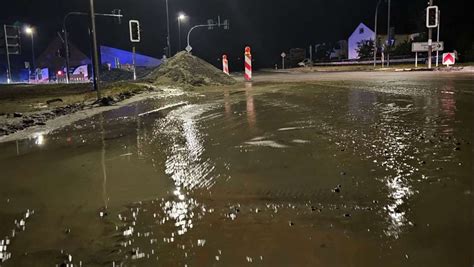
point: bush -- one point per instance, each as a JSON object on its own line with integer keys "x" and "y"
{"x": 365, "y": 49}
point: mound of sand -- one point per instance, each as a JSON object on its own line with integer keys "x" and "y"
{"x": 185, "y": 69}
{"x": 116, "y": 75}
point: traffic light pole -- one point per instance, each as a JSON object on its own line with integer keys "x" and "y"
{"x": 66, "y": 42}
{"x": 388, "y": 34}
{"x": 430, "y": 43}
{"x": 375, "y": 37}
{"x": 95, "y": 52}
{"x": 168, "y": 41}
{"x": 437, "y": 40}
{"x": 9, "y": 70}
{"x": 210, "y": 25}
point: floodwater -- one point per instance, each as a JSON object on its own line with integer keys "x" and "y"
{"x": 350, "y": 173}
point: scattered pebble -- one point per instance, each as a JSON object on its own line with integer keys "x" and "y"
{"x": 201, "y": 242}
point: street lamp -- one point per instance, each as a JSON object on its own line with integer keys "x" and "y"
{"x": 31, "y": 32}
{"x": 168, "y": 29}
{"x": 389, "y": 44}
{"x": 181, "y": 18}
{"x": 375, "y": 37}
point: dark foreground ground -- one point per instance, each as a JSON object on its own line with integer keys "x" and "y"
{"x": 350, "y": 170}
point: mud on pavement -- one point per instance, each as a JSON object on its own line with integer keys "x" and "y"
{"x": 265, "y": 175}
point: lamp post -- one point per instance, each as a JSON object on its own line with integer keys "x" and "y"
{"x": 181, "y": 18}
{"x": 389, "y": 44}
{"x": 31, "y": 32}
{"x": 95, "y": 51}
{"x": 375, "y": 37}
{"x": 168, "y": 29}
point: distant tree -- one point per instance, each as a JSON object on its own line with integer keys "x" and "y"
{"x": 365, "y": 49}
{"x": 403, "y": 49}
{"x": 323, "y": 51}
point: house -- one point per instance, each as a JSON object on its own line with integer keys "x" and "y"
{"x": 53, "y": 59}
{"x": 361, "y": 33}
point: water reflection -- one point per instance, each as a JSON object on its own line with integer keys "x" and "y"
{"x": 397, "y": 154}
{"x": 179, "y": 137}
{"x": 102, "y": 161}
{"x": 227, "y": 104}
{"x": 185, "y": 163}
{"x": 39, "y": 139}
{"x": 251, "y": 114}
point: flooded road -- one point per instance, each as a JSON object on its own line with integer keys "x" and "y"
{"x": 358, "y": 172}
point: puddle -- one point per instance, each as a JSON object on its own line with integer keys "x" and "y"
{"x": 268, "y": 177}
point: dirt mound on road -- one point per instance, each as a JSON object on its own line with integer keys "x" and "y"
{"x": 117, "y": 75}
{"x": 187, "y": 70}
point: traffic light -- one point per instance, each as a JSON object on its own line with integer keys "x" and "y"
{"x": 226, "y": 24}
{"x": 134, "y": 31}
{"x": 12, "y": 42}
{"x": 118, "y": 13}
{"x": 432, "y": 17}
{"x": 210, "y": 24}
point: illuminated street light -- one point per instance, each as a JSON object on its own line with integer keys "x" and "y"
{"x": 181, "y": 18}
{"x": 28, "y": 30}
{"x": 31, "y": 32}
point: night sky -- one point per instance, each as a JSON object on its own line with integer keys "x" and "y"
{"x": 268, "y": 26}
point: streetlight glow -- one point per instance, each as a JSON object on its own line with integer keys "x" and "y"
{"x": 181, "y": 18}
{"x": 29, "y": 30}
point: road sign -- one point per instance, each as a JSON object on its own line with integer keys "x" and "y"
{"x": 423, "y": 47}
{"x": 432, "y": 19}
{"x": 134, "y": 26}
{"x": 449, "y": 59}
{"x": 283, "y": 55}
{"x": 189, "y": 48}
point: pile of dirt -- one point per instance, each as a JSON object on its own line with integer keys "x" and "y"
{"x": 117, "y": 75}
{"x": 187, "y": 70}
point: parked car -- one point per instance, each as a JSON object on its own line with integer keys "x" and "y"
{"x": 306, "y": 63}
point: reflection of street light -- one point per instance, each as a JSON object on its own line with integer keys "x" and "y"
{"x": 181, "y": 17}
{"x": 31, "y": 32}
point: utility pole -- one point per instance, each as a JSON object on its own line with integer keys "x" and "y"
{"x": 115, "y": 14}
{"x": 437, "y": 40}
{"x": 95, "y": 52}
{"x": 375, "y": 37}
{"x": 7, "y": 51}
{"x": 430, "y": 43}
{"x": 168, "y": 43}
{"x": 388, "y": 34}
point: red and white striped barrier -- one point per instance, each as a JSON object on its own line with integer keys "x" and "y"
{"x": 225, "y": 64}
{"x": 248, "y": 64}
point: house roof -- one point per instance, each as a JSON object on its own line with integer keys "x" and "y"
{"x": 365, "y": 27}
{"x": 49, "y": 58}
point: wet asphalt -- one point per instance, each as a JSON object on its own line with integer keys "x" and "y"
{"x": 362, "y": 171}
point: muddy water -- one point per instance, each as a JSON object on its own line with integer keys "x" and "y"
{"x": 359, "y": 173}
